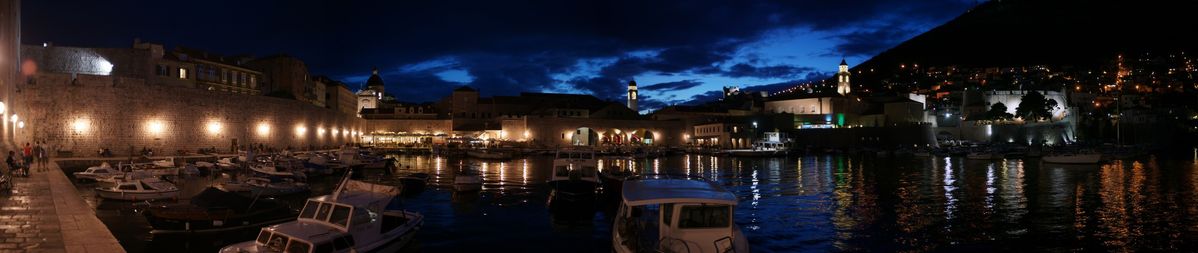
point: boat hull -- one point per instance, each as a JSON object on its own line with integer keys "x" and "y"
{"x": 137, "y": 196}
{"x": 174, "y": 226}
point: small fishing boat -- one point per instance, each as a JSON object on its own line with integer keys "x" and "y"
{"x": 575, "y": 176}
{"x": 676, "y": 215}
{"x": 357, "y": 217}
{"x": 96, "y": 172}
{"x": 214, "y": 210}
{"x": 139, "y": 189}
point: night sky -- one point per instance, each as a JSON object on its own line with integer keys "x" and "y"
{"x": 677, "y": 51}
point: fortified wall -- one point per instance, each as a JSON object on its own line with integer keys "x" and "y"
{"x": 81, "y": 113}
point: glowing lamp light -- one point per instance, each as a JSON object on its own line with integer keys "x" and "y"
{"x": 14, "y": 118}
{"x": 155, "y": 127}
{"x": 21, "y": 124}
{"x": 214, "y": 127}
{"x": 319, "y": 131}
{"x": 263, "y": 129}
{"x": 300, "y": 130}
{"x": 334, "y": 132}
{"x": 80, "y": 125}
{"x": 2, "y": 107}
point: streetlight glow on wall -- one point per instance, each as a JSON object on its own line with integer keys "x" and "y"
{"x": 155, "y": 127}
{"x": 263, "y": 129}
{"x": 320, "y": 131}
{"x": 214, "y": 127}
{"x": 80, "y": 125}
{"x": 300, "y": 130}
{"x": 3, "y": 107}
{"x": 334, "y": 132}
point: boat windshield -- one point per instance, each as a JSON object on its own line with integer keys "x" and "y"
{"x": 328, "y": 212}
{"x": 705, "y": 216}
{"x": 276, "y": 242}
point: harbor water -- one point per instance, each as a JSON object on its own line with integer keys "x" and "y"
{"x": 814, "y": 203}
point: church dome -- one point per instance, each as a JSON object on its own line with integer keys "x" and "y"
{"x": 375, "y": 80}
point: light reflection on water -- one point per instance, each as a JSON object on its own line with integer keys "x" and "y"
{"x": 820, "y": 203}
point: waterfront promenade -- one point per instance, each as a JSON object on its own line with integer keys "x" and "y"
{"x": 44, "y": 213}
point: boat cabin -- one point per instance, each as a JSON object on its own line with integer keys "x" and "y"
{"x": 675, "y": 215}
{"x": 575, "y": 165}
{"x": 333, "y": 224}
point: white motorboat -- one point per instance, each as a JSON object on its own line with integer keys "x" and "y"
{"x": 355, "y": 218}
{"x": 1079, "y": 158}
{"x": 113, "y": 180}
{"x": 96, "y": 172}
{"x": 140, "y": 189}
{"x": 575, "y": 175}
{"x": 676, "y": 215}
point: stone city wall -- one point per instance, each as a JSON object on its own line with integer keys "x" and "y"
{"x": 557, "y": 132}
{"x": 120, "y": 113}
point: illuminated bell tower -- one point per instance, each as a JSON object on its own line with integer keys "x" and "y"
{"x": 842, "y": 78}
{"x": 632, "y": 96}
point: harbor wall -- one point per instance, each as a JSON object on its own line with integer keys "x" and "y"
{"x": 875, "y": 137}
{"x": 81, "y": 113}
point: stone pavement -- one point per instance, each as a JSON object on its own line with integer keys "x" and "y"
{"x": 44, "y": 213}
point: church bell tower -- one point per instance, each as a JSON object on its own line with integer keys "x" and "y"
{"x": 632, "y": 96}
{"x": 842, "y": 78}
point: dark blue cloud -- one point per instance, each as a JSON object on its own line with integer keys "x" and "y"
{"x": 507, "y": 46}
{"x": 671, "y": 86}
{"x": 774, "y": 71}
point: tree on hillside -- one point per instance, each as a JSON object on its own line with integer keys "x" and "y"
{"x": 1033, "y": 106}
{"x": 998, "y": 111}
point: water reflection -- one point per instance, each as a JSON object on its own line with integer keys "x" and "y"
{"x": 808, "y": 204}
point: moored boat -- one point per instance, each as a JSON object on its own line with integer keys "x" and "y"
{"x": 575, "y": 176}
{"x": 96, "y": 172}
{"x": 676, "y": 215}
{"x": 355, "y": 218}
{"x": 139, "y": 189}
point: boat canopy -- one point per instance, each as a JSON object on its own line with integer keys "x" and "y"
{"x": 358, "y": 193}
{"x": 661, "y": 191}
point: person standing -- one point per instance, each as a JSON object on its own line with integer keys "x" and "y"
{"x": 27, "y": 155}
{"x": 43, "y": 157}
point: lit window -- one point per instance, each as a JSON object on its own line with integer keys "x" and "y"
{"x": 182, "y": 73}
